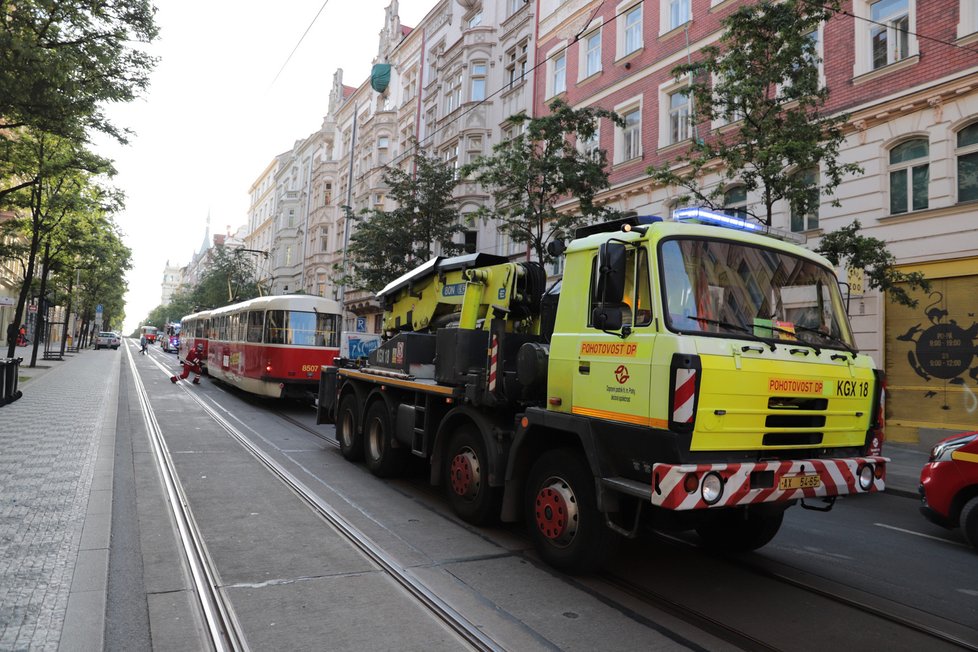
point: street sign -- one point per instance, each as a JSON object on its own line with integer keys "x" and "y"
{"x": 98, "y": 309}
{"x": 361, "y": 324}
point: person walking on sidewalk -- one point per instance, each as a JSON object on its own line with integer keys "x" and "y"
{"x": 192, "y": 363}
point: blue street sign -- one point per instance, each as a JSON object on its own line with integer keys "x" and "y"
{"x": 361, "y": 324}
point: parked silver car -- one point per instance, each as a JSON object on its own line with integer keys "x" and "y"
{"x": 107, "y": 340}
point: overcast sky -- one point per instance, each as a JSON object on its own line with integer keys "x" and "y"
{"x": 213, "y": 119}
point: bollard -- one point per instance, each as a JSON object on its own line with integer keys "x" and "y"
{"x": 9, "y": 370}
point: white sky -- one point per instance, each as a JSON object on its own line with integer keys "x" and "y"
{"x": 212, "y": 120}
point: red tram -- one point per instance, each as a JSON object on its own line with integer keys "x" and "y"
{"x": 274, "y": 346}
{"x": 194, "y": 331}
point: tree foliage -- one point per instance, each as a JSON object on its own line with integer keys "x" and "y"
{"x": 532, "y": 173}
{"x": 425, "y": 222}
{"x": 65, "y": 191}
{"x": 61, "y": 61}
{"x": 848, "y": 248}
{"x": 228, "y": 279}
{"x": 758, "y": 95}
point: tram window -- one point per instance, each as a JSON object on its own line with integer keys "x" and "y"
{"x": 302, "y": 328}
{"x": 256, "y": 321}
{"x": 275, "y": 327}
{"x": 326, "y": 331}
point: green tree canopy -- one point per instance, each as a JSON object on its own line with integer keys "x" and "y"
{"x": 387, "y": 244}
{"x": 61, "y": 61}
{"x": 542, "y": 166}
{"x": 757, "y": 113}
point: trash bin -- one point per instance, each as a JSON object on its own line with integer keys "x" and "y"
{"x": 9, "y": 371}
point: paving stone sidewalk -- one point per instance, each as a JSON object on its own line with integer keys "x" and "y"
{"x": 55, "y": 502}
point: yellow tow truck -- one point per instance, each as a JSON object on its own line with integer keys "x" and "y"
{"x": 691, "y": 373}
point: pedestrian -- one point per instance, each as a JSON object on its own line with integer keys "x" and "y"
{"x": 142, "y": 344}
{"x": 192, "y": 363}
{"x": 22, "y": 336}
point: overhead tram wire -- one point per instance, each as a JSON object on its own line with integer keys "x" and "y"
{"x": 289, "y": 58}
{"x": 924, "y": 37}
{"x": 420, "y": 142}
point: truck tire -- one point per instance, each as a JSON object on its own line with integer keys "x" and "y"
{"x": 732, "y": 530}
{"x": 969, "y": 521}
{"x": 562, "y": 513}
{"x": 380, "y": 456}
{"x": 347, "y": 433}
{"x": 466, "y": 476}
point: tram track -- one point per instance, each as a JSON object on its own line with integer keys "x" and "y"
{"x": 428, "y": 599}
{"x": 222, "y": 628}
{"x": 643, "y": 593}
{"x": 902, "y": 616}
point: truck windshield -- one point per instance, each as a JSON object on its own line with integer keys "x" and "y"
{"x": 723, "y": 288}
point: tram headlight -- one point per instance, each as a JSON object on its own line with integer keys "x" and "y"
{"x": 711, "y": 488}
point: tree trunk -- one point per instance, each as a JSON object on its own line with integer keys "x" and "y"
{"x": 42, "y": 308}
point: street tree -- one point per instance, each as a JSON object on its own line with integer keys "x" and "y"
{"x": 541, "y": 167}
{"x": 757, "y": 114}
{"x": 61, "y": 62}
{"x": 388, "y": 243}
{"x": 758, "y": 121}
{"x": 64, "y": 171}
{"x": 228, "y": 279}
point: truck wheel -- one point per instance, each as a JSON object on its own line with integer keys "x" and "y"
{"x": 466, "y": 476}
{"x": 562, "y": 513}
{"x": 969, "y": 521}
{"x": 380, "y": 456}
{"x": 733, "y": 530}
{"x": 351, "y": 441}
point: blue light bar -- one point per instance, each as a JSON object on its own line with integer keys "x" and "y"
{"x": 707, "y": 216}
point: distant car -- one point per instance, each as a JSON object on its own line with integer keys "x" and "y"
{"x": 170, "y": 343}
{"x": 949, "y": 485}
{"x": 107, "y": 340}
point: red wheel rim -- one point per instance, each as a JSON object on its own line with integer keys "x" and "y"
{"x": 464, "y": 471}
{"x": 556, "y": 513}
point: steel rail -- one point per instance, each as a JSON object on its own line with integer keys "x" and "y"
{"x": 438, "y": 607}
{"x": 219, "y": 621}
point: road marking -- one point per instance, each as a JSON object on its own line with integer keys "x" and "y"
{"x": 918, "y": 534}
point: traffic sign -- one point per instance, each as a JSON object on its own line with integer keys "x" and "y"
{"x": 361, "y": 324}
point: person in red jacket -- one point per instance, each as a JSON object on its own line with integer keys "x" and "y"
{"x": 192, "y": 363}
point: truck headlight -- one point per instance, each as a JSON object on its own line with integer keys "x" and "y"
{"x": 942, "y": 452}
{"x": 712, "y": 488}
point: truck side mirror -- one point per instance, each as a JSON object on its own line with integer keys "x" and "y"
{"x": 607, "y": 317}
{"x": 611, "y": 273}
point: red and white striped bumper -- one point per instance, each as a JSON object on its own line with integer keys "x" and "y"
{"x": 673, "y": 488}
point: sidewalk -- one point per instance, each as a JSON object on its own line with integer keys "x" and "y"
{"x": 56, "y": 456}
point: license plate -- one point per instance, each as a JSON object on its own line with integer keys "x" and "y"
{"x": 808, "y": 481}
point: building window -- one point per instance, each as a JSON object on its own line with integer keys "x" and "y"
{"x": 453, "y": 94}
{"x": 591, "y": 54}
{"x": 324, "y": 241}
{"x": 679, "y": 106}
{"x": 801, "y": 220}
{"x": 735, "y": 202}
{"x": 512, "y": 6}
{"x": 470, "y": 243}
{"x": 632, "y": 30}
{"x": 327, "y": 194}
{"x": 909, "y": 176}
{"x": 628, "y": 139}
{"x": 516, "y": 64}
{"x": 558, "y": 74}
{"x": 475, "y": 19}
{"x": 967, "y": 18}
{"x": 473, "y": 149}
{"x": 888, "y": 35}
{"x": 590, "y": 146}
{"x": 967, "y": 153}
{"x": 675, "y": 13}
{"x": 478, "y": 88}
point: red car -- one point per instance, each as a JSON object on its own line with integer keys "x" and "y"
{"x": 949, "y": 485}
